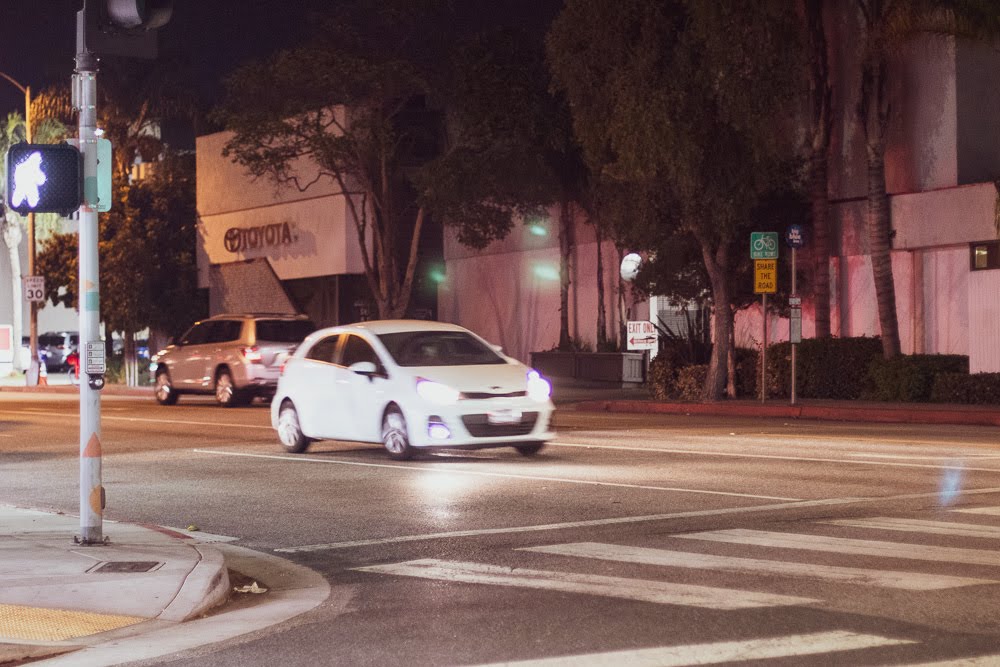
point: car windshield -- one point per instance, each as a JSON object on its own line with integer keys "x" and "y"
{"x": 438, "y": 348}
{"x": 284, "y": 331}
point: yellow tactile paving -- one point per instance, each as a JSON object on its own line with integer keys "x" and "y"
{"x": 40, "y": 624}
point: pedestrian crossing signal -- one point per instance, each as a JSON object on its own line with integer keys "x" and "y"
{"x": 44, "y": 178}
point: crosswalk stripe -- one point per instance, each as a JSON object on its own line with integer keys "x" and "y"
{"x": 631, "y": 589}
{"x": 720, "y": 652}
{"x": 921, "y": 526}
{"x": 844, "y": 545}
{"x": 883, "y": 578}
{"x": 993, "y": 511}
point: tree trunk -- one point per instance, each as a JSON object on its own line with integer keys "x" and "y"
{"x": 820, "y": 96}
{"x": 731, "y": 364}
{"x": 12, "y": 238}
{"x": 717, "y": 263}
{"x": 874, "y": 111}
{"x": 565, "y": 251}
{"x": 602, "y": 318}
{"x": 622, "y": 307}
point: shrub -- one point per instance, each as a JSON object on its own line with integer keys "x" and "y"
{"x": 910, "y": 378}
{"x": 836, "y": 368}
{"x": 976, "y": 389}
{"x": 691, "y": 382}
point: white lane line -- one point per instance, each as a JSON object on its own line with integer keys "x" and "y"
{"x": 845, "y": 545}
{"x": 992, "y": 511}
{"x": 151, "y": 421}
{"x": 921, "y": 526}
{"x": 948, "y": 457}
{"x": 780, "y": 457}
{"x": 719, "y": 652}
{"x": 823, "y": 502}
{"x": 911, "y": 581}
{"x": 483, "y": 473}
{"x": 658, "y": 592}
{"x": 978, "y": 661}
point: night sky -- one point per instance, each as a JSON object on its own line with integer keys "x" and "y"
{"x": 37, "y": 37}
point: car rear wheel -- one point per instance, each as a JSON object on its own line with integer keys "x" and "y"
{"x": 289, "y": 430}
{"x": 394, "y": 436}
{"x": 164, "y": 389}
{"x": 529, "y": 449}
{"x": 226, "y": 393}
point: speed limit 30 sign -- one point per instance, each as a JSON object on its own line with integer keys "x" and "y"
{"x": 34, "y": 288}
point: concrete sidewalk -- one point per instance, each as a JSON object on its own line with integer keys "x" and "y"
{"x": 58, "y": 596}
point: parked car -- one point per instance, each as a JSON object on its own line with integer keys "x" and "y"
{"x": 234, "y": 357}
{"x": 410, "y": 385}
{"x": 57, "y": 346}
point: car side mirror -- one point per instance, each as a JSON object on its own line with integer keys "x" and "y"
{"x": 364, "y": 368}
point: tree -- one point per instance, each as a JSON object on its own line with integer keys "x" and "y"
{"x": 888, "y": 25}
{"x": 820, "y": 127}
{"x": 343, "y": 108}
{"x": 689, "y": 97}
{"x": 146, "y": 247}
{"x": 12, "y": 224}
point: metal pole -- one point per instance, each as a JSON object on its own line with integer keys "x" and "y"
{"x": 794, "y": 345}
{"x": 33, "y": 370}
{"x": 91, "y": 489}
{"x": 763, "y": 351}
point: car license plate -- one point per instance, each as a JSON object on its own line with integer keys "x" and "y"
{"x": 503, "y": 416}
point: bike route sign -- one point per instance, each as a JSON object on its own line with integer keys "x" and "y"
{"x": 763, "y": 245}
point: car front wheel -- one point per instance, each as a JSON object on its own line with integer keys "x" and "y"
{"x": 290, "y": 431}
{"x": 164, "y": 389}
{"x": 394, "y": 436}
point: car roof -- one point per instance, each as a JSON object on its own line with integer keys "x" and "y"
{"x": 379, "y": 327}
{"x": 256, "y": 316}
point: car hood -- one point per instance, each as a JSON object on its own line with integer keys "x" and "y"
{"x": 488, "y": 378}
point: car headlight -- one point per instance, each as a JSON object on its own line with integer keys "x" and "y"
{"x": 538, "y": 388}
{"x": 435, "y": 392}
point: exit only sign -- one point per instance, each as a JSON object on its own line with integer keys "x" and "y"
{"x": 765, "y": 276}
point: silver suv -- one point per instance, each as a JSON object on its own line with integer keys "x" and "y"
{"x": 235, "y": 357}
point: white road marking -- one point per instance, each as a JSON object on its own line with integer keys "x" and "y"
{"x": 844, "y": 545}
{"x": 921, "y": 526}
{"x": 149, "y": 420}
{"x": 483, "y": 473}
{"x": 823, "y": 502}
{"x": 658, "y": 592}
{"x": 992, "y": 511}
{"x": 883, "y": 578}
{"x": 978, "y": 661}
{"x": 781, "y": 457}
{"x": 719, "y": 652}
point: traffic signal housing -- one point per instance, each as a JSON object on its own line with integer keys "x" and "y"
{"x": 123, "y": 27}
{"x": 44, "y": 178}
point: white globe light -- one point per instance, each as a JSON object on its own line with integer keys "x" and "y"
{"x": 630, "y": 266}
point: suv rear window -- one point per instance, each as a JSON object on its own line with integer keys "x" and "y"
{"x": 284, "y": 331}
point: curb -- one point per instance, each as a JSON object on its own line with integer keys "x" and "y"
{"x": 975, "y": 417}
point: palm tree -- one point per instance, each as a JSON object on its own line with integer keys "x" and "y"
{"x": 888, "y": 24}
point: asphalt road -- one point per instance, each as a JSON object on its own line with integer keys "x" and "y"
{"x": 655, "y": 539}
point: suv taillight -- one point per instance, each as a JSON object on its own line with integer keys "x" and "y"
{"x": 251, "y": 354}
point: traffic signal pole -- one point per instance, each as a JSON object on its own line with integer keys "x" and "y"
{"x": 91, "y": 488}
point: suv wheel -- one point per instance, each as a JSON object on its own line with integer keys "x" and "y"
{"x": 164, "y": 389}
{"x": 226, "y": 393}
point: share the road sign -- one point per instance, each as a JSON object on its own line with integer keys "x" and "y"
{"x": 765, "y": 276}
{"x": 642, "y": 335}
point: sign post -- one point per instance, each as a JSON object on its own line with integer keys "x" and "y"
{"x": 795, "y": 239}
{"x": 764, "y": 252}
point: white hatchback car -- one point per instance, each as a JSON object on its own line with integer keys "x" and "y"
{"x": 409, "y": 384}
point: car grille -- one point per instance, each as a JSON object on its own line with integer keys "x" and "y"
{"x": 481, "y": 395}
{"x": 479, "y": 426}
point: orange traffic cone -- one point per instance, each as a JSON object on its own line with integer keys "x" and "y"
{"x": 43, "y": 375}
